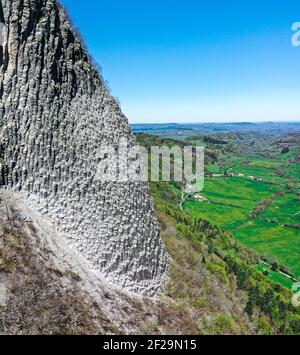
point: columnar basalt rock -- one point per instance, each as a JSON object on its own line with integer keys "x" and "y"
{"x": 55, "y": 112}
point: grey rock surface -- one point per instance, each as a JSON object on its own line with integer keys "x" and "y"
{"x": 55, "y": 112}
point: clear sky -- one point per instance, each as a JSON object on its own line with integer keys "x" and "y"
{"x": 195, "y": 60}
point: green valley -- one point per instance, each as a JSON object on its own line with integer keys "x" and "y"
{"x": 240, "y": 233}
{"x": 251, "y": 190}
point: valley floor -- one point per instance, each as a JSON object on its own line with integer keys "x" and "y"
{"x": 256, "y": 197}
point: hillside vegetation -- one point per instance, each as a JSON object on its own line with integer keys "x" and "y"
{"x": 261, "y": 292}
{"x": 252, "y": 190}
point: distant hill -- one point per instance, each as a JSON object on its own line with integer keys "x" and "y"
{"x": 241, "y": 127}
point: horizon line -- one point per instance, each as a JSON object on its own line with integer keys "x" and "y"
{"x": 211, "y": 122}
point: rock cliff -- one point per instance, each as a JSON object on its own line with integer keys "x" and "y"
{"x": 55, "y": 113}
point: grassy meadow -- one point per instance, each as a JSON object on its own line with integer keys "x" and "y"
{"x": 274, "y": 231}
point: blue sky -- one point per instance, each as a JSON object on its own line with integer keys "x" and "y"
{"x": 194, "y": 60}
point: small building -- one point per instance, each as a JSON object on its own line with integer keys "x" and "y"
{"x": 200, "y": 198}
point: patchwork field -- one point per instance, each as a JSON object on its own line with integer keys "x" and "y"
{"x": 272, "y": 240}
{"x": 284, "y": 210}
{"x": 261, "y": 208}
{"x": 231, "y": 200}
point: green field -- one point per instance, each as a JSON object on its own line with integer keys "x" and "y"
{"x": 272, "y": 240}
{"x": 232, "y": 199}
{"x": 285, "y": 210}
{"x": 293, "y": 171}
{"x": 276, "y": 276}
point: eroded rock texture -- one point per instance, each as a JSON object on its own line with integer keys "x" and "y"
{"x": 54, "y": 114}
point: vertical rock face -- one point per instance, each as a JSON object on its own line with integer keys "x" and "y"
{"x": 55, "y": 112}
